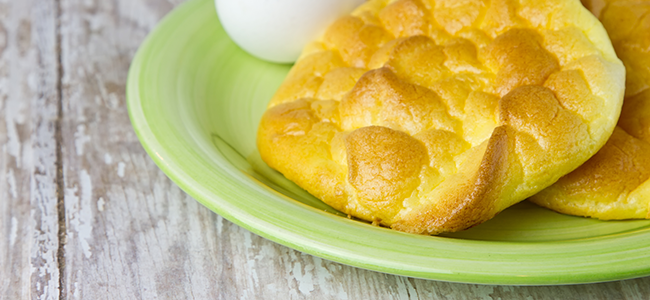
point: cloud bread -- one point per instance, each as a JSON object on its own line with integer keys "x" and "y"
{"x": 615, "y": 183}
{"x": 431, "y": 117}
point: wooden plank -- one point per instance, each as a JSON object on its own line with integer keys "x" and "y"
{"x": 28, "y": 179}
{"x": 132, "y": 234}
{"x": 46, "y": 215}
{"x": 14, "y": 175}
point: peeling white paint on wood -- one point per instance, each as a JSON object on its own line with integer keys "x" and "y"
{"x": 79, "y": 204}
{"x": 13, "y": 143}
{"x": 121, "y": 166}
{"x": 13, "y": 232}
{"x": 11, "y": 181}
{"x": 80, "y": 139}
{"x": 100, "y": 204}
{"x": 28, "y": 219}
{"x": 304, "y": 278}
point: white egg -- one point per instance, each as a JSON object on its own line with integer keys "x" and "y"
{"x": 277, "y": 30}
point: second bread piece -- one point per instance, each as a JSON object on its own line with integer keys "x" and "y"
{"x": 615, "y": 183}
{"x": 433, "y": 117}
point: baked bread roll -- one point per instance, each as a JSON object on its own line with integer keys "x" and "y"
{"x": 433, "y": 117}
{"x": 615, "y": 183}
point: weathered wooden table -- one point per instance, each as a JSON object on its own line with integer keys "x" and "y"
{"x": 85, "y": 214}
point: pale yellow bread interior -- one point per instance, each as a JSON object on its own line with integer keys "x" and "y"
{"x": 615, "y": 183}
{"x": 431, "y": 117}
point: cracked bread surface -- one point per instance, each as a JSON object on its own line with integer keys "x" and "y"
{"x": 433, "y": 116}
{"x": 615, "y": 183}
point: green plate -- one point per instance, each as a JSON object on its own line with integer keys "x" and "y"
{"x": 195, "y": 100}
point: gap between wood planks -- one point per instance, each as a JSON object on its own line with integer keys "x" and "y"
{"x": 60, "y": 204}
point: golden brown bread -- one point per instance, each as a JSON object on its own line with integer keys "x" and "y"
{"x": 615, "y": 183}
{"x": 433, "y": 117}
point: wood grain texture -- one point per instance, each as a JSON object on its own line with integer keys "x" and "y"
{"x": 14, "y": 175}
{"x": 28, "y": 174}
{"x": 130, "y": 233}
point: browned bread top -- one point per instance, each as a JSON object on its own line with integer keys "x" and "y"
{"x": 433, "y": 117}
